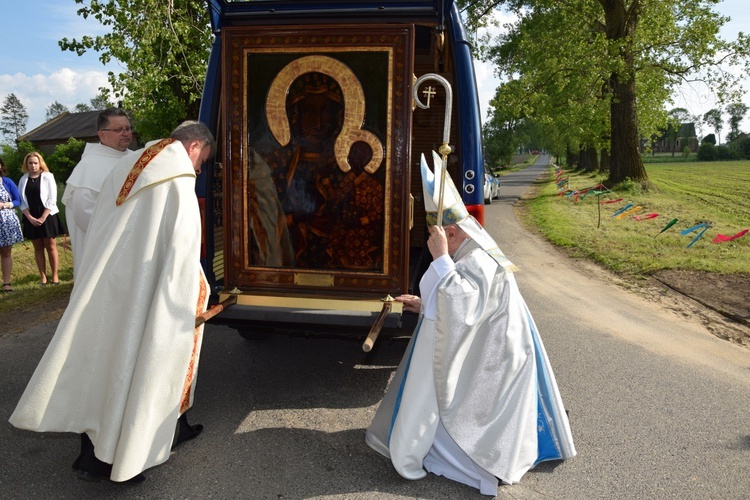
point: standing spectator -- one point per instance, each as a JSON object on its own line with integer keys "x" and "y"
{"x": 122, "y": 365}
{"x": 83, "y": 186}
{"x": 41, "y": 224}
{"x": 10, "y": 228}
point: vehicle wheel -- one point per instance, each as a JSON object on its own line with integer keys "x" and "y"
{"x": 488, "y": 201}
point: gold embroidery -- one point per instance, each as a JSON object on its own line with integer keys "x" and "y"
{"x": 139, "y": 166}
{"x": 185, "y": 403}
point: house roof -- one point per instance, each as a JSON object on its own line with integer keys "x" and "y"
{"x": 687, "y": 130}
{"x": 82, "y": 126}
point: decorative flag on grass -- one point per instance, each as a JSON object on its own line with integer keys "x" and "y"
{"x": 626, "y": 207}
{"x": 607, "y": 202}
{"x": 598, "y": 192}
{"x": 630, "y": 212}
{"x": 669, "y": 224}
{"x": 646, "y": 217}
{"x": 702, "y": 226}
{"x": 720, "y": 238}
{"x": 581, "y": 193}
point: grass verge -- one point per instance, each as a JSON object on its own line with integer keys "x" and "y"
{"x": 691, "y": 192}
{"x": 25, "y": 278}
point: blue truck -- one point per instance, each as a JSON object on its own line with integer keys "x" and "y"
{"x": 313, "y": 214}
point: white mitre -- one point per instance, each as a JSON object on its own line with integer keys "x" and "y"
{"x": 454, "y": 210}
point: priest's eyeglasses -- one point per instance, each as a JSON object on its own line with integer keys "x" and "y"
{"x": 118, "y": 130}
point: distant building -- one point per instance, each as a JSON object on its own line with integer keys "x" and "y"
{"x": 686, "y": 136}
{"x": 58, "y": 130}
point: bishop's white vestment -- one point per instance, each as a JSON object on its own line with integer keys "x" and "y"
{"x": 474, "y": 397}
{"x": 82, "y": 190}
{"x": 121, "y": 366}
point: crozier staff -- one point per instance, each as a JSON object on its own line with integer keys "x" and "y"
{"x": 474, "y": 399}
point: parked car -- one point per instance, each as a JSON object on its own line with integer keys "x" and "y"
{"x": 491, "y": 186}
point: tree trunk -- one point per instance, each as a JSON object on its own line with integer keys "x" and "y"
{"x": 570, "y": 159}
{"x": 626, "y": 160}
{"x": 604, "y": 162}
{"x": 589, "y": 160}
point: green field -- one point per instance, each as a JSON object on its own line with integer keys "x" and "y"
{"x": 692, "y": 193}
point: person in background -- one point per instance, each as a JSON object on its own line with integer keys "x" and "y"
{"x": 122, "y": 365}
{"x": 41, "y": 224}
{"x": 10, "y": 228}
{"x": 83, "y": 186}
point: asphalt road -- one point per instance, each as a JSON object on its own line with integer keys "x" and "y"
{"x": 658, "y": 406}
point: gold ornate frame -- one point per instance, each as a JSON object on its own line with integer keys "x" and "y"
{"x": 373, "y": 67}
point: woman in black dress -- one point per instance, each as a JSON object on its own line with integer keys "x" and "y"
{"x": 41, "y": 224}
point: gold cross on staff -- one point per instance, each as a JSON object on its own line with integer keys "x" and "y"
{"x": 429, "y": 92}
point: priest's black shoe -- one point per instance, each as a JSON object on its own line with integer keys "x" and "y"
{"x": 185, "y": 431}
{"x": 92, "y": 469}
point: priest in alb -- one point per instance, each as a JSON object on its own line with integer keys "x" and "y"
{"x": 121, "y": 367}
{"x": 474, "y": 398}
{"x": 83, "y": 186}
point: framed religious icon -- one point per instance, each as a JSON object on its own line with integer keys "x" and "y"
{"x": 317, "y": 150}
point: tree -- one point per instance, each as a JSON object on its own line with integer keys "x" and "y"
{"x": 100, "y": 102}
{"x": 64, "y": 158}
{"x": 500, "y": 141}
{"x": 625, "y": 55}
{"x": 55, "y": 109}
{"x": 698, "y": 122}
{"x": 13, "y": 117}
{"x": 13, "y": 156}
{"x": 737, "y": 112}
{"x": 165, "y": 48}
{"x": 677, "y": 117}
{"x": 713, "y": 118}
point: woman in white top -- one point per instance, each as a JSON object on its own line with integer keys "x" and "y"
{"x": 41, "y": 224}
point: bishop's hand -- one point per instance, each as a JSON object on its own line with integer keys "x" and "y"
{"x": 437, "y": 242}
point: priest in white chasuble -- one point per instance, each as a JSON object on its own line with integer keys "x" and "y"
{"x": 83, "y": 186}
{"x": 474, "y": 398}
{"x": 122, "y": 365}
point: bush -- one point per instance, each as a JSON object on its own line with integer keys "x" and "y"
{"x": 723, "y": 153}
{"x": 709, "y": 139}
{"x": 707, "y": 152}
{"x": 629, "y": 187}
{"x": 65, "y": 157}
{"x": 743, "y": 147}
{"x": 13, "y": 157}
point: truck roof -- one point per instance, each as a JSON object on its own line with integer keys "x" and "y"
{"x": 240, "y": 12}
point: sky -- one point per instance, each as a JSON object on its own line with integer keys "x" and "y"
{"x": 33, "y": 67}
